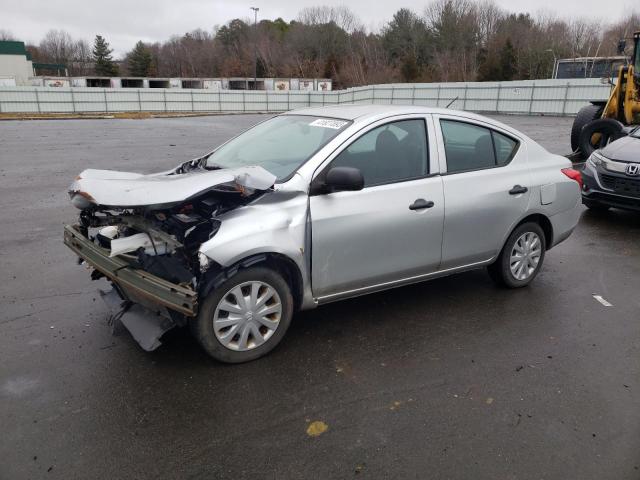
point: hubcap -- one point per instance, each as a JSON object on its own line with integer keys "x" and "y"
{"x": 525, "y": 255}
{"x": 247, "y": 316}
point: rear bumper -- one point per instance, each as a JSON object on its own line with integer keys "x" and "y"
{"x": 133, "y": 282}
{"x": 564, "y": 223}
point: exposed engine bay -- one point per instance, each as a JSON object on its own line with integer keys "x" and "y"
{"x": 163, "y": 242}
{"x": 163, "y": 238}
{"x": 143, "y": 233}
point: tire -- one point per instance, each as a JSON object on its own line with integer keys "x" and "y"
{"x": 501, "y": 270}
{"x": 595, "y": 206}
{"x": 608, "y": 129}
{"x": 586, "y": 115}
{"x": 231, "y": 318}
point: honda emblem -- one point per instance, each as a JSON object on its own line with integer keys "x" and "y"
{"x": 633, "y": 169}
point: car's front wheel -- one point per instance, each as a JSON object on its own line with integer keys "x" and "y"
{"x": 521, "y": 257}
{"x": 246, "y": 316}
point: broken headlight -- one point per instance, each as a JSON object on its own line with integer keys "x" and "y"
{"x": 205, "y": 262}
{"x": 81, "y": 200}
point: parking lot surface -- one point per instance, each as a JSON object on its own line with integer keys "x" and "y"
{"x": 453, "y": 378}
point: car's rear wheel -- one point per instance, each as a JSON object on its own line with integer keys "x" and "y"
{"x": 521, "y": 257}
{"x": 245, "y": 317}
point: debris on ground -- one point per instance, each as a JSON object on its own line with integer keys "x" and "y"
{"x": 317, "y": 428}
{"x": 600, "y": 299}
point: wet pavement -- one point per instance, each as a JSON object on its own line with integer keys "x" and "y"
{"x": 452, "y": 378}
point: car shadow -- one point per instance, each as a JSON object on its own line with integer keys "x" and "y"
{"x": 616, "y": 219}
{"x": 376, "y": 322}
{"x": 420, "y": 331}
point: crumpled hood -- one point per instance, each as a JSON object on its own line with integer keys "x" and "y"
{"x": 126, "y": 189}
{"x": 625, "y": 149}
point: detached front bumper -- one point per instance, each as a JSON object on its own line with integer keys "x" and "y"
{"x": 135, "y": 284}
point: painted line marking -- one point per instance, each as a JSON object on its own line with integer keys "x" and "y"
{"x": 602, "y": 300}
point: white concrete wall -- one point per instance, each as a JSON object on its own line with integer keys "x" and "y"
{"x": 7, "y": 81}
{"x": 547, "y": 97}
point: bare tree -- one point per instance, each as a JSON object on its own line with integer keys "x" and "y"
{"x": 341, "y": 16}
{"x": 489, "y": 15}
{"x": 456, "y": 31}
{"x": 621, "y": 30}
{"x": 584, "y": 37}
{"x": 6, "y": 34}
{"x": 57, "y": 46}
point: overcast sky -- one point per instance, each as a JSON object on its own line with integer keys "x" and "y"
{"x": 125, "y": 22}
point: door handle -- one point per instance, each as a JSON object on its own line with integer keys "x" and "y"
{"x": 421, "y": 204}
{"x": 518, "y": 189}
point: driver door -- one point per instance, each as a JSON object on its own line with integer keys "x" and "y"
{"x": 383, "y": 233}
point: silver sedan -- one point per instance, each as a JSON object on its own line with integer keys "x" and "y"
{"x": 319, "y": 205}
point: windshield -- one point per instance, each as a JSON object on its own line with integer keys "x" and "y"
{"x": 279, "y": 145}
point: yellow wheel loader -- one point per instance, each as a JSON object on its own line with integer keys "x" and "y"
{"x": 602, "y": 122}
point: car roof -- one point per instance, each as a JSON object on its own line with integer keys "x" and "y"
{"x": 369, "y": 113}
{"x": 353, "y": 111}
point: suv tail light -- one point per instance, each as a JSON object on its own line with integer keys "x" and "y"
{"x": 573, "y": 174}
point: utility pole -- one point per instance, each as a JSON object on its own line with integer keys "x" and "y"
{"x": 555, "y": 60}
{"x": 255, "y": 47}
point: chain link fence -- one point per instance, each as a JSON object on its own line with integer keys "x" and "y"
{"x": 539, "y": 97}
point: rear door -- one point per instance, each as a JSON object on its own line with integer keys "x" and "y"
{"x": 486, "y": 188}
{"x": 378, "y": 235}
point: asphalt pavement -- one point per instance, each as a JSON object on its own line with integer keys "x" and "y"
{"x": 449, "y": 379}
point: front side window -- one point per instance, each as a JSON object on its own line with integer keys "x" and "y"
{"x": 280, "y": 145}
{"x": 471, "y": 147}
{"x": 390, "y": 153}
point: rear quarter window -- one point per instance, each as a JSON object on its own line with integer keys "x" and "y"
{"x": 473, "y": 147}
{"x": 506, "y": 148}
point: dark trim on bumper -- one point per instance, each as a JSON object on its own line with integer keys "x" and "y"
{"x": 616, "y": 201}
{"x": 176, "y": 297}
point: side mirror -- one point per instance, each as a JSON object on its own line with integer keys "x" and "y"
{"x": 343, "y": 179}
{"x": 622, "y": 44}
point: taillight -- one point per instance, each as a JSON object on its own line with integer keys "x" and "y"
{"x": 573, "y": 174}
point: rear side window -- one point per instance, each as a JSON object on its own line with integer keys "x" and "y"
{"x": 471, "y": 147}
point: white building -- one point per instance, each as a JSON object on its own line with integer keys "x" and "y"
{"x": 16, "y": 67}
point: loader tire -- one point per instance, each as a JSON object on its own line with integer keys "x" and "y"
{"x": 598, "y": 134}
{"x": 586, "y": 115}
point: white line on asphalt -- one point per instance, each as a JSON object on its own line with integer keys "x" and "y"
{"x": 602, "y": 300}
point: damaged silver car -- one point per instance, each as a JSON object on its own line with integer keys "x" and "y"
{"x": 314, "y": 206}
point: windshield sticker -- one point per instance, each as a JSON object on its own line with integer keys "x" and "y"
{"x": 325, "y": 123}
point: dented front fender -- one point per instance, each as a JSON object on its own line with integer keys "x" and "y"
{"x": 275, "y": 223}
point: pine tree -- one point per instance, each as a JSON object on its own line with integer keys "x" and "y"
{"x": 507, "y": 61}
{"x": 104, "y": 65}
{"x": 139, "y": 61}
{"x": 409, "y": 68}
